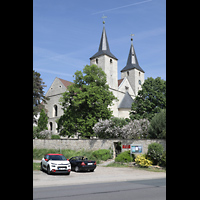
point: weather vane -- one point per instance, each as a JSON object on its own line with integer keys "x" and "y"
{"x": 103, "y": 17}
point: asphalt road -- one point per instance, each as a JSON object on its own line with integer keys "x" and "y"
{"x": 151, "y": 189}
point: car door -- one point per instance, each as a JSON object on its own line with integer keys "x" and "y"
{"x": 73, "y": 162}
{"x": 44, "y": 162}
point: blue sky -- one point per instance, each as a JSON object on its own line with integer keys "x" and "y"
{"x": 67, "y": 33}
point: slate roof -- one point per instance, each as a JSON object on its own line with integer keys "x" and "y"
{"x": 103, "y": 47}
{"x": 132, "y": 61}
{"x": 126, "y": 101}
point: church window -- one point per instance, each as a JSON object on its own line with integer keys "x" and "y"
{"x": 139, "y": 73}
{"x": 128, "y": 73}
{"x": 110, "y": 60}
{"x": 55, "y": 110}
{"x": 97, "y": 60}
{"x": 51, "y": 126}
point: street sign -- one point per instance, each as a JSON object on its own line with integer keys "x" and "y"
{"x": 136, "y": 148}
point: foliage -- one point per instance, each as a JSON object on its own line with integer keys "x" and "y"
{"x": 155, "y": 151}
{"x": 102, "y": 154}
{"x": 55, "y": 137}
{"x": 125, "y": 157}
{"x": 150, "y": 100}
{"x": 142, "y": 161}
{"x": 157, "y": 128}
{"x": 136, "y": 129}
{"x": 162, "y": 161}
{"x": 37, "y": 134}
{"x": 85, "y": 102}
{"x": 42, "y": 121}
{"x": 38, "y": 94}
{"x": 120, "y": 122}
{"x": 38, "y": 154}
{"x": 36, "y": 131}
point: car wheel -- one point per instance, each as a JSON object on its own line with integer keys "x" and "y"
{"x": 76, "y": 169}
{"x": 41, "y": 169}
{"x": 48, "y": 170}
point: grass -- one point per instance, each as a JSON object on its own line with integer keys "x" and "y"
{"x": 121, "y": 165}
{"x": 38, "y": 154}
{"x": 36, "y": 166}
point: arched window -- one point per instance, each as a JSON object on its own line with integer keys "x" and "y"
{"x": 51, "y": 126}
{"x": 55, "y": 110}
{"x": 97, "y": 60}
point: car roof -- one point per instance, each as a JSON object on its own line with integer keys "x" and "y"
{"x": 54, "y": 154}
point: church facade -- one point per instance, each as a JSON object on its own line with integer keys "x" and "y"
{"x": 125, "y": 89}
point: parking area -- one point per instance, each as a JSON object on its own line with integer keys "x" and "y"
{"x": 100, "y": 175}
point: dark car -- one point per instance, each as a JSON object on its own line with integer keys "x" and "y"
{"x": 81, "y": 163}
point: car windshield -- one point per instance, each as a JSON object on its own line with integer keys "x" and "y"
{"x": 57, "y": 157}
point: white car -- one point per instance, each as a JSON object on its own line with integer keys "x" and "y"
{"x": 55, "y": 163}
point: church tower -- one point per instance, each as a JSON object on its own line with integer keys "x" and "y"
{"x": 132, "y": 71}
{"x": 106, "y": 60}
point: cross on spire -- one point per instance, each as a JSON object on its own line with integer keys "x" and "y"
{"x": 103, "y": 17}
{"x": 131, "y": 37}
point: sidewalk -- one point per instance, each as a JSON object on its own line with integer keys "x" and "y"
{"x": 100, "y": 175}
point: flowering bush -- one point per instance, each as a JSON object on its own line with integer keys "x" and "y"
{"x": 143, "y": 161}
{"x": 155, "y": 151}
{"x": 136, "y": 129}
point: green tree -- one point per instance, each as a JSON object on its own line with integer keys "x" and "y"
{"x": 150, "y": 100}
{"x": 157, "y": 128}
{"x": 85, "y": 102}
{"x": 42, "y": 121}
{"x": 38, "y": 94}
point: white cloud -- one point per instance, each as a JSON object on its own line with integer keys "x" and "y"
{"x": 52, "y": 72}
{"x": 133, "y": 4}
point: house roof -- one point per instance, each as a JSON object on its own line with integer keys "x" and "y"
{"x": 65, "y": 83}
{"x": 132, "y": 61}
{"x": 126, "y": 101}
{"x": 103, "y": 47}
{"x": 120, "y": 81}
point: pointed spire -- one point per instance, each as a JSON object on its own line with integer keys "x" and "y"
{"x": 132, "y": 61}
{"x": 103, "y": 46}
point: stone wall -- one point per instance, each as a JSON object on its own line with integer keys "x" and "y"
{"x": 93, "y": 144}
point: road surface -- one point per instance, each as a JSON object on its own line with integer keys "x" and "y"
{"x": 146, "y": 189}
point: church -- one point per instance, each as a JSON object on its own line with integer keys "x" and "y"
{"x": 125, "y": 89}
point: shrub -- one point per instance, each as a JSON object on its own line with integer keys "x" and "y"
{"x": 102, "y": 154}
{"x": 125, "y": 157}
{"x": 122, "y": 128}
{"x": 157, "y": 128}
{"x": 155, "y": 152}
{"x": 142, "y": 161}
{"x": 55, "y": 137}
{"x": 163, "y": 160}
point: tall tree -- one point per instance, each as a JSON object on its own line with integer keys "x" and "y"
{"x": 150, "y": 100}
{"x": 42, "y": 121}
{"x": 85, "y": 102}
{"x": 38, "y": 94}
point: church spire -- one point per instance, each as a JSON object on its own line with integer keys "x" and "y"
{"x": 103, "y": 46}
{"x": 132, "y": 61}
